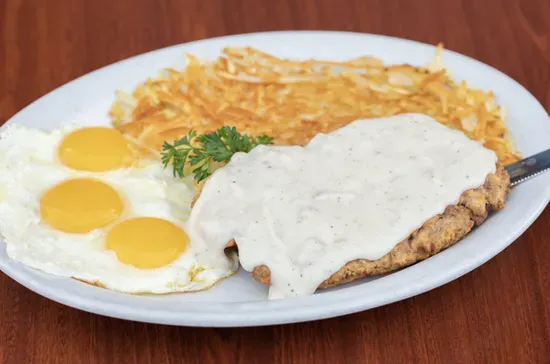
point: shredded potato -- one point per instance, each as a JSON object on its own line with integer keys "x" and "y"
{"x": 293, "y": 101}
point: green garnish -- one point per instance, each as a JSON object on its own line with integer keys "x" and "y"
{"x": 200, "y": 151}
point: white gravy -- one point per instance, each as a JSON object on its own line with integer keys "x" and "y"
{"x": 305, "y": 212}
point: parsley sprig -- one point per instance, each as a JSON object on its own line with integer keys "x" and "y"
{"x": 200, "y": 151}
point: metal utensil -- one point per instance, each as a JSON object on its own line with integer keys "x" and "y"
{"x": 529, "y": 167}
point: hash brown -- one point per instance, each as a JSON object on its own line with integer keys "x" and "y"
{"x": 292, "y": 101}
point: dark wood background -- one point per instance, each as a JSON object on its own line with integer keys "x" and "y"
{"x": 500, "y": 313}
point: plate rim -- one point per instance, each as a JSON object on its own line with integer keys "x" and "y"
{"x": 301, "y": 313}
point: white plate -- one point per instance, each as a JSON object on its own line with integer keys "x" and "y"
{"x": 239, "y": 301}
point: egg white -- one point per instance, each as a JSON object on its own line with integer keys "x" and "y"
{"x": 29, "y": 167}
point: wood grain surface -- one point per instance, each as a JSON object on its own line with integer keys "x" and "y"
{"x": 500, "y": 313}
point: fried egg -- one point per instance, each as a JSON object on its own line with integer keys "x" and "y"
{"x": 85, "y": 203}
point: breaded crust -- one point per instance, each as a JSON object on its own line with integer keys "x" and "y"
{"x": 436, "y": 234}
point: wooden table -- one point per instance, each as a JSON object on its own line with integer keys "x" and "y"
{"x": 500, "y": 313}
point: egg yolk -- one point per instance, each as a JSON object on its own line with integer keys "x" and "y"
{"x": 80, "y": 205}
{"x": 95, "y": 149}
{"x": 147, "y": 242}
